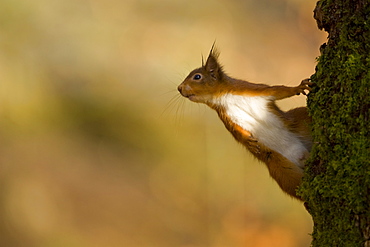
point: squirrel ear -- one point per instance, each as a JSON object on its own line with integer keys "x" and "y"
{"x": 212, "y": 65}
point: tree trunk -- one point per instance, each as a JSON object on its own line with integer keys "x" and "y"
{"x": 336, "y": 185}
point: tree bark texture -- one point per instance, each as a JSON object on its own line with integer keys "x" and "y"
{"x": 336, "y": 184}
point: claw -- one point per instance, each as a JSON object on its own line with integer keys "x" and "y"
{"x": 307, "y": 82}
{"x": 305, "y": 85}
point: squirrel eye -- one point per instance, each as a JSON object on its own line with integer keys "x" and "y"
{"x": 197, "y": 77}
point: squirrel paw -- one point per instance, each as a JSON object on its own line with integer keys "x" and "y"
{"x": 305, "y": 85}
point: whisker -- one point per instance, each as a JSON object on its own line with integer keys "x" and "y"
{"x": 171, "y": 91}
{"x": 179, "y": 117}
{"x": 170, "y": 105}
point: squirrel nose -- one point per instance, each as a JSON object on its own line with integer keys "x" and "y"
{"x": 179, "y": 88}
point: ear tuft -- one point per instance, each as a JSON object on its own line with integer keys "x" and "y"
{"x": 214, "y": 51}
{"x": 212, "y": 66}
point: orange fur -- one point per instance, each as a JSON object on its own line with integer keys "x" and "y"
{"x": 209, "y": 83}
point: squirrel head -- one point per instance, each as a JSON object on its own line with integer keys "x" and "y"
{"x": 204, "y": 83}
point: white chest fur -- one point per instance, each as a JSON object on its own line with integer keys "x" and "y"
{"x": 253, "y": 115}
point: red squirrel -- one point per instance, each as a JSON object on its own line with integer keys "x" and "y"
{"x": 280, "y": 139}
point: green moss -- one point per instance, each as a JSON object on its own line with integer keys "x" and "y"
{"x": 337, "y": 178}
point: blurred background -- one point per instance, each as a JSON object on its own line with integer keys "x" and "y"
{"x": 97, "y": 148}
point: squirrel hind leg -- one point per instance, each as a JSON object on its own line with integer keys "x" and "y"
{"x": 287, "y": 174}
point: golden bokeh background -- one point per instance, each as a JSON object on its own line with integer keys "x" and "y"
{"x": 97, "y": 148}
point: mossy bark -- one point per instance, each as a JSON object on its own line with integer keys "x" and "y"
{"x": 336, "y": 184}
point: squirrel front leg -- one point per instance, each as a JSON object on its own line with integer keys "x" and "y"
{"x": 282, "y": 92}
